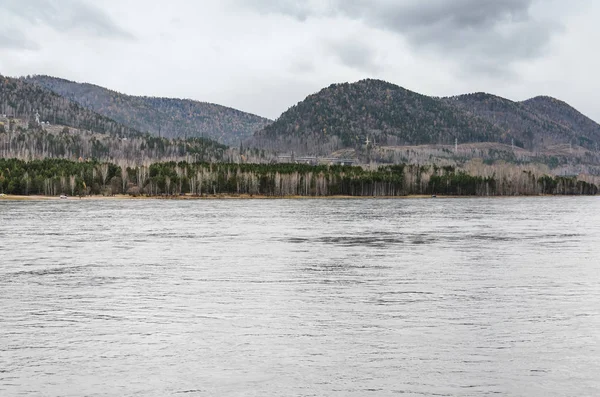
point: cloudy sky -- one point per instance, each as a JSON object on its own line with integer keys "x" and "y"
{"x": 263, "y": 56}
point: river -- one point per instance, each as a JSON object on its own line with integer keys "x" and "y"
{"x": 411, "y": 297}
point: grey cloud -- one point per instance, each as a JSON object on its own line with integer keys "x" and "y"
{"x": 354, "y": 53}
{"x": 454, "y": 15}
{"x": 66, "y": 15}
{"x": 478, "y": 32}
{"x": 15, "y": 39}
{"x": 301, "y": 66}
{"x": 297, "y": 9}
{"x": 501, "y": 30}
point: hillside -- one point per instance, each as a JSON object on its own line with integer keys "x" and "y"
{"x": 586, "y": 130}
{"x": 21, "y": 100}
{"x": 159, "y": 116}
{"x": 68, "y": 130}
{"x": 344, "y": 115}
{"x": 537, "y": 124}
{"x": 24, "y": 140}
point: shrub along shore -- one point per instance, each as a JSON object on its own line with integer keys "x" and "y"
{"x": 53, "y": 177}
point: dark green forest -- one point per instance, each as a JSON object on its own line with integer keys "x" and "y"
{"x": 58, "y": 176}
{"x": 344, "y": 115}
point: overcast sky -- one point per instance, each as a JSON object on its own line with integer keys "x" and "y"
{"x": 263, "y": 56}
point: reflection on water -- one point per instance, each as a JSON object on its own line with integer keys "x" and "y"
{"x": 463, "y": 297}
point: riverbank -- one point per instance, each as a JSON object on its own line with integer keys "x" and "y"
{"x": 244, "y": 197}
{"x": 204, "y": 197}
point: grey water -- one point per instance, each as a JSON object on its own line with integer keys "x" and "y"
{"x": 424, "y": 297}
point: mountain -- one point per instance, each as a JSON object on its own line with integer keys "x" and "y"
{"x": 159, "y": 116}
{"x": 537, "y": 123}
{"x": 68, "y": 130}
{"x": 20, "y": 99}
{"x": 345, "y": 115}
{"x": 584, "y": 130}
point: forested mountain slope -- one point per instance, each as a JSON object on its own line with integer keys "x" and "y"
{"x": 537, "y": 123}
{"x": 167, "y": 117}
{"x": 21, "y": 100}
{"x": 344, "y": 115}
{"x": 55, "y": 141}
{"x": 585, "y": 130}
{"x": 68, "y": 130}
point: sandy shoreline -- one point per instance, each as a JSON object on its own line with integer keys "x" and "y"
{"x": 205, "y": 197}
{"x": 238, "y": 197}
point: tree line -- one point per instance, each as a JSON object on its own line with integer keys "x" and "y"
{"x": 37, "y": 142}
{"x": 60, "y": 176}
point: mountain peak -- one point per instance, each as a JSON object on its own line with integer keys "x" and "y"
{"x": 585, "y": 130}
{"x": 344, "y": 115}
{"x": 546, "y": 100}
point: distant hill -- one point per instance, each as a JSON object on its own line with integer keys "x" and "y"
{"x": 536, "y": 123}
{"x": 68, "y": 130}
{"x": 345, "y": 115}
{"x": 21, "y": 100}
{"x": 585, "y": 130}
{"x": 165, "y": 116}
{"x": 339, "y": 117}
